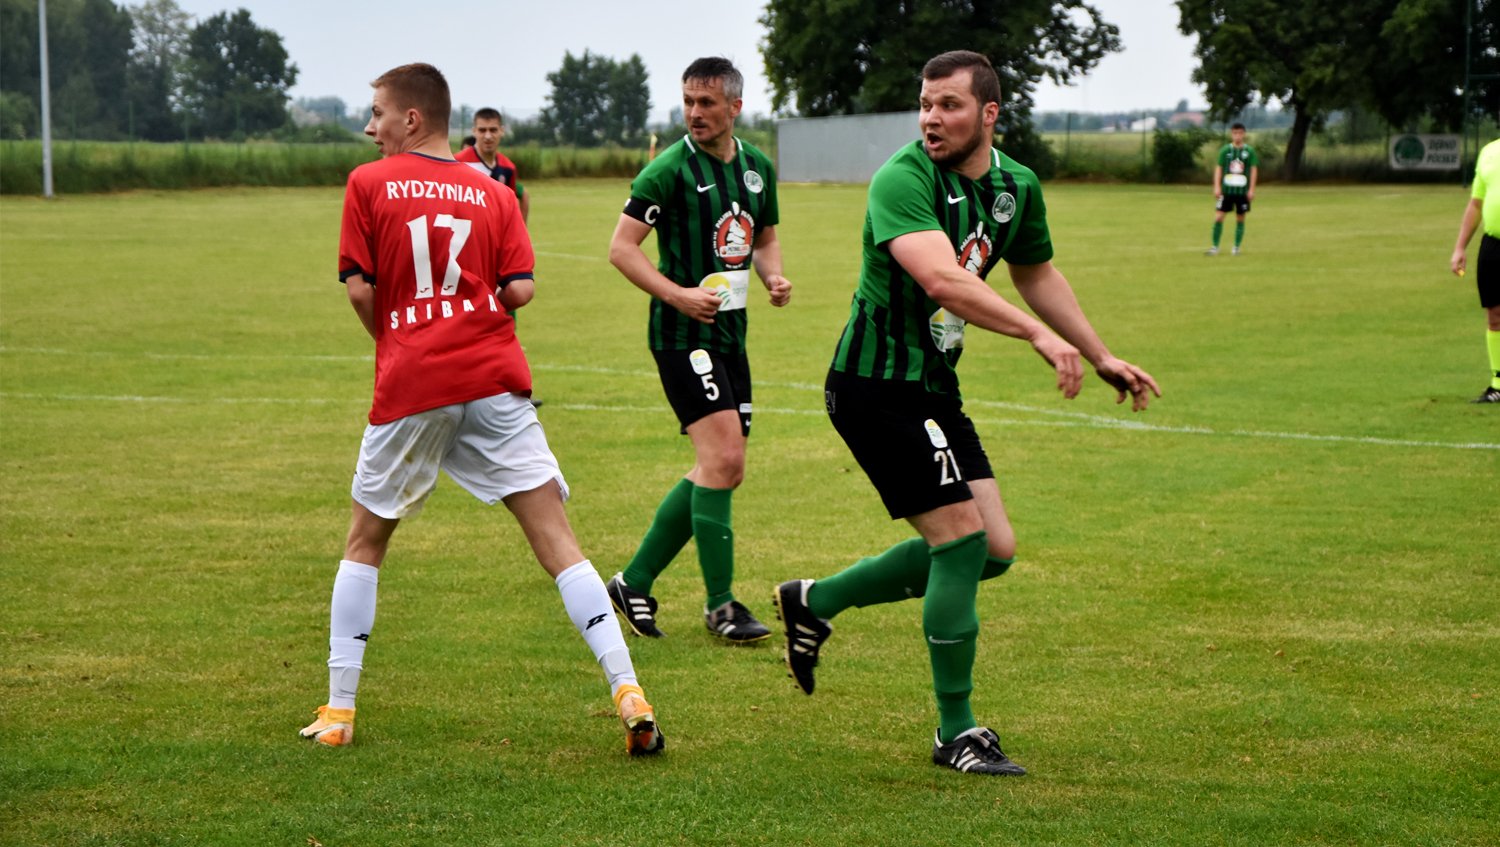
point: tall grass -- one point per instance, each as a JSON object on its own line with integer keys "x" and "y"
{"x": 534, "y": 162}
{"x": 1119, "y": 157}
{"x": 83, "y": 167}
{"x": 100, "y": 166}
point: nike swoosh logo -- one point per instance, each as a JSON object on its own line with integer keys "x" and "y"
{"x": 703, "y": 188}
{"x": 941, "y": 641}
{"x": 958, "y": 199}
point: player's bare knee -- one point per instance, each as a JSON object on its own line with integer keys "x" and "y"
{"x": 725, "y": 470}
{"x": 1002, "y": 547}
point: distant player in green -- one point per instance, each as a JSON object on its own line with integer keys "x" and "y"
{"x": 712, "y": 200}
{"x": 1485, "y": 205}
{"x": 1234, "y": 185}
{"x": 942, "y": 214}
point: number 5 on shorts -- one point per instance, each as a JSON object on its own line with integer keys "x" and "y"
{"x": 946, "y": 460}
{"x": 711, "y": 390}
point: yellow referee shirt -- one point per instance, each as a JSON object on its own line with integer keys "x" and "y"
{"x": 1487, "y": 173}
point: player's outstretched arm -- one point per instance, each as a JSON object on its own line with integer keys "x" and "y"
{"x": 626, "y": 255}
{"x": 1472, "y": 215}
{"x": 929, "y": 258}
{"x": 1047, "y": 292}
{"x": 362, "y": 298}
{"x": 767, "y": 261}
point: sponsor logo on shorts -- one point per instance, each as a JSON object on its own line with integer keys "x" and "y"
{"x": 935, "y": 434}
{"x": 744, "y": 408}
{"x": 701, "y": 362}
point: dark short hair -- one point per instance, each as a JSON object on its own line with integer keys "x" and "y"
{"x": 720, "y": 68}
{"x": 422, "y": 87}
{"x": 985, "y": 85}
{"x": 487, "y": 114}
{"x": 467, "y": 142}
{"x": 1236, "y": 125}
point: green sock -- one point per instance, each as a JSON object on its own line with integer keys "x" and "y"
{"x": 899, "y": 573}
{"x": 1493, "y": 337}
{"x": 1218, "y": 231}
{"x": 715, "y": 542}
{"x": 670, "y": 529}
{"x": 887, "y": 578}
{"x": 1239, "y": 232}
{"x": 951, "y": 625}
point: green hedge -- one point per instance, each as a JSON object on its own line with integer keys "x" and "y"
{"x": 96, "y": 166}
{"x": 90, "y": 166}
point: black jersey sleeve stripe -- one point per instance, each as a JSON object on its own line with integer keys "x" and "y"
{"x": 856, "y": 338}
{"x": 1003, "y": 234}
{"x": 897, "y": 326}
{"x": 348, "y": 272}
{"x": 879, "y": 316}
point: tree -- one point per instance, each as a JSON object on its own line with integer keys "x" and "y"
{"x": 89, "y": 45}
{"x": 595, "y": 100}
{"x": 237, "y": 76}
{"x": 833, "y": 57}
{"x": 156, "y": 68}
{"x": 1420, "y": 67}
{"x": 1311, "y": 55}
{"x": 629, "y": 100}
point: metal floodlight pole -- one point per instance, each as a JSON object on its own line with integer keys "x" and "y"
{"x": 1464, "y": 116}
{"x": 41, "y": 13}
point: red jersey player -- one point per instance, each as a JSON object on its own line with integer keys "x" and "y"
{"x": 433, "y": 254}
{"x": 485, "y": 156}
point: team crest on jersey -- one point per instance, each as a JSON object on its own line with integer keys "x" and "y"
{"x": 753, "y": 182}
{"x": 732, "y": 235}
{"x": 1004, "y": 208}
{"x": 1236, "y": 166}
{"x": 974, "y": 252}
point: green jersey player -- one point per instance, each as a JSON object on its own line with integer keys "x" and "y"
{"x": 712, "y": 200}
{"x": 1234, "y": 186}
{"x": 942, "y": 214}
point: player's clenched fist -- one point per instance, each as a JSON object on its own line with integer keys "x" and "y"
{"x": 700, "y": 304}
{"x": 780, "y": 288}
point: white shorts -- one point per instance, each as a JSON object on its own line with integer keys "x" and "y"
{"x": 492, "y": 447}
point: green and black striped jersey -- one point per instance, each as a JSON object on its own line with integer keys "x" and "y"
{"x": 895, "y": 331}
{"x": 707, "y": 213}
{"x": 1236, "y": 163}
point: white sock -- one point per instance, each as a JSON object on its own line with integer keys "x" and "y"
{"x": 350, "y": 620}
{"x": 588, "y": 606}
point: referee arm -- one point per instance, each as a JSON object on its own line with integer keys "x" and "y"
{"x": 626, "y": 255}
{"x": 1472, "y": 216}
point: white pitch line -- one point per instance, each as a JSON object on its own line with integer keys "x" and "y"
{"x": 569, "y": 256}
{"x": 1083, "y": 419}
{"x": 195, "y": 356}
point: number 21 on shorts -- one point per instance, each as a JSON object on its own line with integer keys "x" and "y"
{"x": 703, "y": 366}
{"x": 947, "y": 463}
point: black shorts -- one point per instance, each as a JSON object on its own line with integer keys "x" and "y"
{"x": 1487, "y": 272}
{"x": 1238, "y": 203}
{"x": 918, "y": 448}
{"x": 701, "y": 382}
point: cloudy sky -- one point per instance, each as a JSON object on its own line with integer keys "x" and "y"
{"x": 498, "y": 53}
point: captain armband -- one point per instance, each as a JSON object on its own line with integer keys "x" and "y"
{"x": 643, "y": 210}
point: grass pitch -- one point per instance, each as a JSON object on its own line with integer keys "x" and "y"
{"x": 1263, "y": 612}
